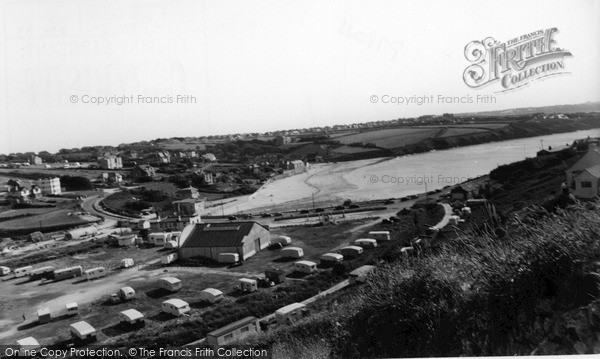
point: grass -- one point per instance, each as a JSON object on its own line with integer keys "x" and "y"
{"x": 47, "y": 221}
{"x": 474, "y": 296}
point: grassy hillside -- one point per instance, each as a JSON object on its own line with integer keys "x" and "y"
{"x": 476, "y": 295}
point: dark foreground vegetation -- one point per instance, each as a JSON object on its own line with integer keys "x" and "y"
{"x": 474, "y": 295}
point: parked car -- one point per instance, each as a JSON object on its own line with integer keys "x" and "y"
{"x": 318, "y": 210}
{"x": 404, "y": 199}
{"x": 354, "y": 206}
{"x": 340, "y": 208}
{"x": 232, "y": 218}
{"x": 277, "y": 214}
{"x": 247, "y": 216}
{"x": 304, "y": 211}
{"x": 265, "y": 215}
{"x": 389, "y": 201}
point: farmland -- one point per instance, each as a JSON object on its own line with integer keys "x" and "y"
{"x": 390, "y": 138}
{"x": 46, "y": 220}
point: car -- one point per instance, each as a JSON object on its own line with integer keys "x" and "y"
{"x": 389, "y": 201}
{"x": 265, "y": 215}
{"x": 404, "y": 199}
{"x": 414, "y": 196}
{"x": 318, "y": 210}
{"x": 354, "y": 206}
{"x": 277, "y": 214}
{"x": 232, "y": 218}
{"x": 304, "y": 211}
{"x": 340, "y": 208}
{"x": 247, "y": 216}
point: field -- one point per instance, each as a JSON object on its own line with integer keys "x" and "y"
{"x": 349, "y": 150}
{"x": 390, "y": 138}
{"x": 89, "y": 174}
{"x": 57, "y": 218}
{"x": 459, "y": 131}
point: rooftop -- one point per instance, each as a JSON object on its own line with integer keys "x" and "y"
{"x": 218, "y": 234}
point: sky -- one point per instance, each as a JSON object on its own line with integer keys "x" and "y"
{"x": 198, "y": 68}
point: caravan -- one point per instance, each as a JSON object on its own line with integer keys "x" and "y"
{"x": 176, "y": 307}
{"x": 94, "y": 273}
{"x": 23, "y": 271}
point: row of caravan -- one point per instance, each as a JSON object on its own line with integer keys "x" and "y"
{"x": 49, "y": 272}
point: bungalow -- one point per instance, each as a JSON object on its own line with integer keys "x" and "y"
{"x": 211, "y": 239}
{"x": 233, "y": 332}
{"x": 587, "y": 183}
{"x": 112, "y": 177}
{"x": 590, "y": 159}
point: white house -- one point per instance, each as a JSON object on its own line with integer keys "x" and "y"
{"x": 590, "y": 159}
{"x": 587, "y": 183}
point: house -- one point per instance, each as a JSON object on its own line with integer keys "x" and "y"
{"x": 112, "y": 177}
{"x": 233, "y": 332}
{"x": 587, "y": 183}
{"x": 27, "y": 345}
{"x": 282, "y": 140}
{"x": 49, "y": 185}
{"x": 110, "y": 162}
{"x": 35, "y": 160}
{"x": 35, "y": 191}
{"x": 143, "y": 172}
{"x": 187, "y": 193}
{"x": 44, "y": 315}
{"x": 18, "y": 194}
{"x": 209, "y": 157}
{"x": 209, "y": 240}
{"x": 297, "y": 166}
{"x": 590, "y": 159}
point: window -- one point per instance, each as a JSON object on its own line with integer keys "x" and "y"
{"x": 228, "y": 337}
{"x": 586, "y": 184}
{"x": 245, "y": 329}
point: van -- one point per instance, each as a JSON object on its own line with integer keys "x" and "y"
{"x": 23, "y": 271}
{"x": 72, "y": 308}
{"x": 176, "y": 307}
{"x": 168, "y": 258}
{"x": 94, "y": 273}
{"x": 305, "y": 267}
{"x": 380, "y": 235}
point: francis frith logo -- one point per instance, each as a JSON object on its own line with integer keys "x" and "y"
{"x": 516, "y": 62}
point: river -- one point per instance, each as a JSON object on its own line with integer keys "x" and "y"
{"x": 397, "y": 177}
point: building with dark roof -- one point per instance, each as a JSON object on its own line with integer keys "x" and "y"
{"x": 211, "y": 239}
